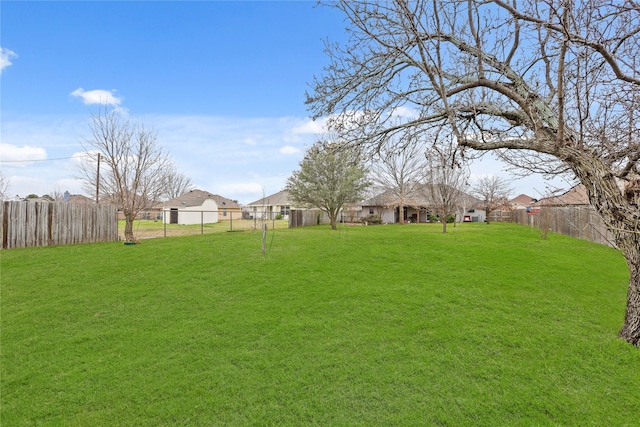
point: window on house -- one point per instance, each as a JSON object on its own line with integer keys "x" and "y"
{"x": 284, "y": 210}
{"x": 224, "y": 212}
{"x": 371, "y": 211}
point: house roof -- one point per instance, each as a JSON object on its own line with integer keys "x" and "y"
{"x": 419, "y": 197}
{"x": 574, "y": 196}
{"x": 197, "y": 198}
{"x": 223, "y": 202}
{"x": 281, "y": 198}
{"x": 80, "y": 199}
{"x": 389, "y": 198}
{"x": 523, "y": 200}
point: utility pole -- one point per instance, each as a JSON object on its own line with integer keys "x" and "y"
{"x": 98, "y": 181}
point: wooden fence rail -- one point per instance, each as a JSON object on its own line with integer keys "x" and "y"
{"x": 581, "y": 222}
{"x": 27, "y": 224}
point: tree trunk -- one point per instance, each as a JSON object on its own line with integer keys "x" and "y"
{"x": 401, "y": 214}
{"x": 333, "y": 217}
{"x": 630, "y": 331}
{"x": 128, "y": 228}
{"x": 623, "y": 220}
{"x": 444, "y": 226}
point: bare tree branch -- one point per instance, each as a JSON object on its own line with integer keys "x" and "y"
{"x": 133, "y": 168}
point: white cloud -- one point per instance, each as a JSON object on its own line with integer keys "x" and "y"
{"x": 239, "y": 189}
{"x": 43, "y": 183}
{"x": 81, "y": 158}
{"x": 310, "y": 127}
{"x": 5, "y": 57}
{"x": 288, "y": 149}
{"x": 23, "y": 155}
{"x": 72, "y": 185}
{"x": 97, "y": 96}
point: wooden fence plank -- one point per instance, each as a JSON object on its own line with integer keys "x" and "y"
{"x": 307, "y": 217}
{"x": 28, "y": 224}
{"x": 581, "y": 222}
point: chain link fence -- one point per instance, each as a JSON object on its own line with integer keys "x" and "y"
{"x": 168, "y": 223}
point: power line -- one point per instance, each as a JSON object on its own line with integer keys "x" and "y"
{"x": 42, "y": 160}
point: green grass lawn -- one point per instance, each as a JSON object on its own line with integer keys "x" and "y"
{"x": 387, "y": 325}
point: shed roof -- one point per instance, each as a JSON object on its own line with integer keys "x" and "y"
{"x": 197, "y": 198}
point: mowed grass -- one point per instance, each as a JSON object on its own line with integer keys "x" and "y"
{"x": 387, "y": 325}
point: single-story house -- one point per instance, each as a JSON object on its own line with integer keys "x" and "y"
{"x": 416, "y": 208}
{"x": 387, "y": 206}
{"x": 193, "y": 207}
{"x": 522, "y": 202}
{"x": 270, "y": 206}
{"x": 227, "y": 208}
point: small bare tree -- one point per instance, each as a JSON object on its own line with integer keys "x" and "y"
{"x": 4, "y": 187}
{"x": 446, "y": 180}
{"x": 493, "y": 193}
{"x": 177, "y": 184}
{"x": 125, "y": 165}
{"x": 545, "y": 214}
{"x": 396, "y": 168}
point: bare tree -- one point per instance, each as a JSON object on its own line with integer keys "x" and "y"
{"x": 177, "y": 184}
{"x": 552, "y": 86}
{"x": 57, "y": 195}
{"x": 329, "y": 177}
{"x": 397, "y": 170}
{"x": 446, "y": 180}
{"x": 493, "y": 193}
{"x": 126, "y": 165}
{"x": 4, "y": 187}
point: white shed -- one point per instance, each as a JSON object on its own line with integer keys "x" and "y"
{"x": 194, "y": 207}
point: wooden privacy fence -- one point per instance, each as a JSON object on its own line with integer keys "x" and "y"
{"x": 581, "y": 222}
{"x": 307, "y": 217}
{"x": 27, "y": 224}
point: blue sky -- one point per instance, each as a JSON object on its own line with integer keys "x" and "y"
{"x": 223, "y": 83}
